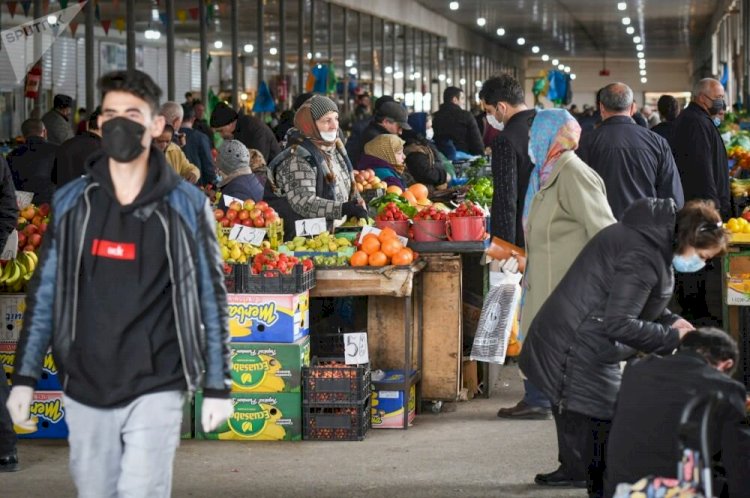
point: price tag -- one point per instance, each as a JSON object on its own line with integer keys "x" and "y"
{"x": 376, "y": 231}
{"x": 311, "y": 226}
{"x": 10, "y": 251}
{"x": 248, "y": 235}
{"x": 356, "y": 352}
{"x": 228, "y": 199}
{"x": 23, "y": 198}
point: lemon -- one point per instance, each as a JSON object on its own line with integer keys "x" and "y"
{"x": 746, "y": 228}
{"x": 733, "y": 226}
{"x": 236, "y": 253}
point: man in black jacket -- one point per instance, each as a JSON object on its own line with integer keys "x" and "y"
{"x": 8, "y": 220}
{"x": 669, "y": 108}
{"x": 32, "y": 162}
{"x": 129, "y": 293}
{"x": 703, "y": 165}
{"x": 633, "y": 162}
{"x": 255, "y": 134}
{"x": 653, "y": 393}
{"x": 390, "y": 117}
{"x": 452, "y": 122}
{"x": 70, "y": 159}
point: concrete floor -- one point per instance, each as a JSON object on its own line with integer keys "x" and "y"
{"x": 469, "y": 452}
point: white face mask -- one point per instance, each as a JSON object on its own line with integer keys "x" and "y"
{"x": 329, "y": 136}
{"x": 429, "y": 133}
{"x": 492, "y": 120}
{"x": 531, "y": 155}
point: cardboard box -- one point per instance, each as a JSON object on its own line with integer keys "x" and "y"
{"x": 257, "y": 417}
{"x": 47, "y": 407}
{"x": 738, "y": 290}
{"x": 388, "y": 406}
{"x": 12, "y": 308}
{"x": 269, "y": 368}
{"x": 49, "y": 380}
{"x": 269, "y": 317}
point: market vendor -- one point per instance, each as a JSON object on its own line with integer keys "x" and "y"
{"x": 312, "y": 177}
{"x": 237, "y": 178}
{"x": 423, "y": 160}
{"x": 384, "y": 154}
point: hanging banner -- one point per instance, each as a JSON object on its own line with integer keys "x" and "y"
{"x": 73, "y": 27}
{"x": 105, "y": 26}
{"x": 26, "y": 43}
{"x": 194, "y": 12}
{"x": 26, "y": 6}
{"x": 12, "y": 8}
{"x": 120, "y": 24}
{"x": 182, "y": 15}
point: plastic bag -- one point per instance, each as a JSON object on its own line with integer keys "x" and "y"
{"x": 496, "y": 321}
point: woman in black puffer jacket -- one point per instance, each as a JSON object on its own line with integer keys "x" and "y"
{"x": 610, "y": 304}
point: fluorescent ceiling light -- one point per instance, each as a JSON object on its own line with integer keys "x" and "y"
{"x": 622, "y": 6}
{"x": 630, "y": 30}
{"x": 535, "y": 49}
{"x": 573, "y": 76}
{"x": 249, "y": 48}
{"x": 453, "y": 5}
{"x": 644, "y": 80}
{"x": 521, "y": 41}
{"x": 218, "y": 44}
{"x": 626, "y": 21}
{"x": 636, "y": 39}
{"x": 500, "y": 31}
{"x": 545, "y": 57}
{"x": 555, "y": 62}
{"x": 481, "y": 21}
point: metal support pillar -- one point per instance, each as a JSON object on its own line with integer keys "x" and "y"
{"x": 346, "y": 56}
{"x": 261, "y": 41}
{"x": 235, "y": 51}
{"x": 130, "y": 33}
{"x": 171, "y": 73}
{"x": 89, "y": 56}
{"x": 312, "y": 29}
{"x": 203, "y": 38}
{"x": 301, "y": 59}
{"x": 282, "y": 50}
{"x": 382, "y": 57}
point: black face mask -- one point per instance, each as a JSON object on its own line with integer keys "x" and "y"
{"x": 121, "y": 139}
{"x": 717, "y": 105}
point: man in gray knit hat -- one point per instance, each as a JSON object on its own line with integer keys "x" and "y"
{"x": 237, "y": 179}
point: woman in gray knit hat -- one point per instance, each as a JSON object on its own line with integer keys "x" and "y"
{"x": 237, "y": 178}
{"x": 312, "y": 177}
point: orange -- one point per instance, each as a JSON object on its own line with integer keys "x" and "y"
{"x": 390, "y": 247}
{"x": 394, "y": 189}
{"x": 359, "y": 258}
{"x": 409, "y": 196}
{"x": 402, "y": 257}
{"x": 387, "y": 233}
{"x": 377, "y": 259}
{"x": 419, "y": 191}
{"x": 370, "y": 244}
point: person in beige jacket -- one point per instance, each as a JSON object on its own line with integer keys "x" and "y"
{"x": 175, "y": 157}
{"x": 565, "y": 206}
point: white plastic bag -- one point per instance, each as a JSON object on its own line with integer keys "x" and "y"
{"x": 496, "y": 320}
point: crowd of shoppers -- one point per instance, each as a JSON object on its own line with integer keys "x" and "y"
{"x": 596, "y": 200}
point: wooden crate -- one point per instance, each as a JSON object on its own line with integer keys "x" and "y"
{"x": 394, "y": 281}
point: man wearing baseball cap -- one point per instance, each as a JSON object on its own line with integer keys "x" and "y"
{"x": 57, "y": 120}
{"x": 390, "y": 117}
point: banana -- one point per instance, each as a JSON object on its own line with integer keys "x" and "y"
{"x": 6, "y": 272}
{"x": 33, "y": 260}
{"x": 16, "y": 273}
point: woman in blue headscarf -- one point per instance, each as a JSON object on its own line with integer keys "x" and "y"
{"x": 566, "y": 205}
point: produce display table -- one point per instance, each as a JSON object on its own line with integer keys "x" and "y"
{"x": 394, "y": 317}
{"x": 736, "y": 301}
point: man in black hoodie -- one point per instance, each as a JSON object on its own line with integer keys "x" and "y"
{"x": 129, "y": 292}
{"x": 71, "y": 156}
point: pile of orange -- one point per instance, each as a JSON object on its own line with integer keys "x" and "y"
{"x": 380, "y": 250}
{"x": 416, "y": 194}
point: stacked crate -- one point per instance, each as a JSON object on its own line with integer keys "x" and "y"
{"x": 268, "y": 325}
{"x": 47, "y": 405}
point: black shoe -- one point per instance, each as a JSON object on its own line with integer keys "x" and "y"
{"x": 523, "y": 411}
{"x": 9, "y": 463}
{"x": 558, "y": 478}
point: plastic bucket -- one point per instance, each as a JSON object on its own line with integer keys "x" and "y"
{"x": 429, "y": 230}
{"x": 400, "y": 227}
{"x": 466, "y": 228}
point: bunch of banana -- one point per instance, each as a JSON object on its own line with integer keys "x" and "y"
{"x": 739, "y": 187}
{"x": 17, "y": 272}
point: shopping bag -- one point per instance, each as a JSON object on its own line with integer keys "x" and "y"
{"x": 496, "y": 320}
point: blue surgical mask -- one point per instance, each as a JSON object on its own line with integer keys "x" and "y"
{"x": 717, "y": 121}
{"x": 688, "y": 264}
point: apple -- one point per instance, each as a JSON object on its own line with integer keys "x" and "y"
{"x": 29, "y": 248}
{"x": 28, "y": 213}
{"x": 247, "y": 222}
{"x": 259, "y": 222}
{"x": 232, "y": 214}
{"x": 236, "y": 205}
{"x": 269, "y": 212}
{"x": 256, "y": 213}
{"x": 226, "y": 222}
{"x": 30, "y": 230}
{"x": 262, "y": 205}
{"x": 35, "y": 239}
{"x": 37, "y": 220}
{"x": 244, "y": 215}
{"x": 21, "y": 239}
{"x": 44, "y": 209}
{"x": 271, "y": 218}
{"x": 249, "y": 204}
{"x": 43, "y": 227}
{"x": 218, "y": 214}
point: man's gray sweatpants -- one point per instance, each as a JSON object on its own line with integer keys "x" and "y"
{"x": 125, "y": 452}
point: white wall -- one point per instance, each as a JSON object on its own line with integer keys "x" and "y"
{"x": 663, "y": 76}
